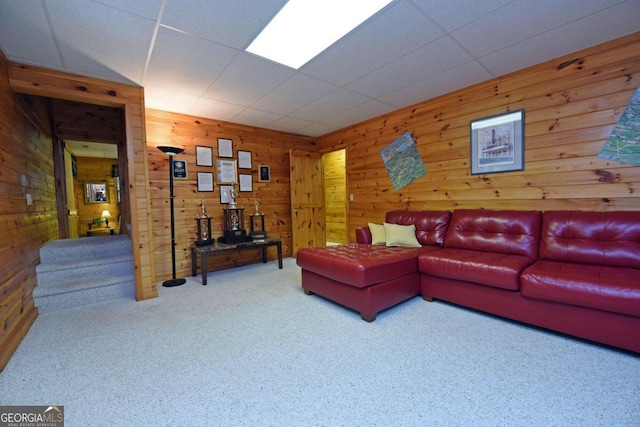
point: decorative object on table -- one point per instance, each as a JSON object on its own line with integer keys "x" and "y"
{"x": 172, "y": 151}
{"x": 203, "y": 227}
{"x": 204, "y": 156}
{"x": 226, "y": 170}
{"x": 244, "y": 159}
{"x": 234, "y": 231}
{"x": 106, "y": 215}
{"x": 264, "y": 173}
{"x": 257, "y": 227}
{"x": 497, "y": 143}
{"x": 403, "y": 162}
{"x": 232, "y": 197}
{"x": 225, "y": 147}
{"x": 257, "y": 219}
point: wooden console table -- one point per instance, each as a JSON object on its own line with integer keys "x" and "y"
{"x": 203, "y": 251}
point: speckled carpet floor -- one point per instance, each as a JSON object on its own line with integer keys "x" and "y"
{"x": 251, "y": 349}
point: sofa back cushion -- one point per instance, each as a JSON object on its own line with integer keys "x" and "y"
{"x": 431, "y": 226}
{"x": 597, "y": 238}
{"x": 500, "y": 231}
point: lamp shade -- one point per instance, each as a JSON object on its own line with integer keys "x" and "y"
{"x": 106, "y": 214}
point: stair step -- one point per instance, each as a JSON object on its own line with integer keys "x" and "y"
{"x": 50, "y": 274}
{"x": 86, "y": 296}
{"x": 100, "y": 247}
{"x": 89, "y": 270}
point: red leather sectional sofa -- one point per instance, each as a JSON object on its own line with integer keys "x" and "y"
{"x": 574, "y": 272}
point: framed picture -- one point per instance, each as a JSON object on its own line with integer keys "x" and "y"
{"x": 204, "y": 156}
{"x": 264, "y": 173}
{"x": 225, "y": 193}
{"x": 226, "y": 171}
{"x": 497, "y": 143}
{"x": 225, "y": 147}
{"x": 246, "y": 182}
{"x": 180, "y": 169}
{"x": 244, "y": 159}
{"x": 205, "y": 181}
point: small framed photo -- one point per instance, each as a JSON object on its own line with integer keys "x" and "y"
{"x": 204, "y": 156}
{"x": 246, "y": 182}
{"x": 497, "y": 143}
{"x": 180, "y": 169}
{"x": 244, "y": 159}
{"x": 264, "y": 173}
{"x": 226, "y": 169}
{"x": 205, "y": 181}
{"x": 225, "y": 193}
{"x": 225, "y": 147}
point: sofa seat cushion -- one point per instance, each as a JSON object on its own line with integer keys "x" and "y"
{"x": 497, "y": 270}
{"x": 614, "y": 289}
{"x": 361, "y": 265}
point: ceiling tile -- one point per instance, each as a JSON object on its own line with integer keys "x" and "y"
{"x": 453, "y": 79}
{"x": 452, "y": 14}
{"x": 231, "y": 23}
{"x": 247, "y": 79}
{"x": 395, "y": 31}
{"x": 357, "y": 114}
{"x": 294, "y": 93}
{"x": 147, "y": 8}
{"x": 187, "y": 63}
{"x": 92, "y": 42}
{"x": 25, "y": 34}
{"x": 161, "y": 98}
{"x": 329, "y": 105}
{"x": 520, "y": 20}
{"x": 254, "y": 117}
{"x": 205, "y": 107}
{"x": 426, "y": 61}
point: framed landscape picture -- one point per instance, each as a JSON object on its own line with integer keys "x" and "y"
{"x": 497, "y": 143}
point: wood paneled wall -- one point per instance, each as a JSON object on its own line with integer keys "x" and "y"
{"x": 571, "y": 105}
{"x": 26, "y": 164}
{"x": 267, "y": 148}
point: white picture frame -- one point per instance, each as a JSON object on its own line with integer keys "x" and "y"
{"x": 245, "y": 182}
{"x": 225, "y": 147}
{"x": 244, "y": 159}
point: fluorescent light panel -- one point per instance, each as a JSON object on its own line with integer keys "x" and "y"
{"x": 304, "y": 28}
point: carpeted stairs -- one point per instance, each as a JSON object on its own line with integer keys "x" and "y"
{"x": 74, "y": 272}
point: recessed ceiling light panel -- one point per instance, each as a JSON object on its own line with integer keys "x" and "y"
{"x": 304, "y": 28}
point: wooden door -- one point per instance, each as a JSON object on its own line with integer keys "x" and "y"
{"x": 307, "y": 199}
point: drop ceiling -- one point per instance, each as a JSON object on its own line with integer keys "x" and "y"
{"x": 189, "y": 54}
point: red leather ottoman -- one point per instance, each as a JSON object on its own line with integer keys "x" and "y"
{"x": 363, "y": 277}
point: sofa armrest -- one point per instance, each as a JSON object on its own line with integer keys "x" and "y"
{"x": 363, "y": 235}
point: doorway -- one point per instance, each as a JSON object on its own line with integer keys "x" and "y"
{"x": 335, "y": 197}
{"x": 308, "y": 179}
{"x": 93, "y": 188}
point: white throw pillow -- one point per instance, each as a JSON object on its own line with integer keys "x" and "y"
{"x": 401, "y": 235}
{"x": 378, "y": 234}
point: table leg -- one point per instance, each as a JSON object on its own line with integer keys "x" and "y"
{"x": 264, "y": 253}
{"x": 279, "y": 245}
{"x": 194, "y": 262}
{"x": 203, "y": 267}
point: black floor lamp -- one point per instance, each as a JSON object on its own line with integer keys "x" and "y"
{"x": 172, "y": 151}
